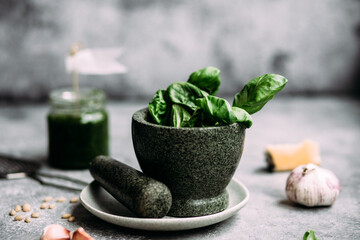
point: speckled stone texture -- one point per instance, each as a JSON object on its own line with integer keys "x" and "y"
{"x": 195, "y": 163}
{"x": 143, "y": 195}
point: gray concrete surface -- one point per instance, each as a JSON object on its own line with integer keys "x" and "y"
{"x": 333, "y": 122}
{"x": 314, "y": 44}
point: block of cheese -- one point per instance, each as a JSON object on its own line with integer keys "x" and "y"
{"x": 286, "y": 157}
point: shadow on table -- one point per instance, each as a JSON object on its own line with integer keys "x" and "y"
{"x": 263, "y": 170}
{"x": 285, "y": 203}
{"x": 101, "y": 229}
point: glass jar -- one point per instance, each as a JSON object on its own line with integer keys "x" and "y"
{"x": 77, "y": 127}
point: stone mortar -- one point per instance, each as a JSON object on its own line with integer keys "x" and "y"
{"x": 195, "y": 163}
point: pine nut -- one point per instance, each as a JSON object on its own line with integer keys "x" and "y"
{"x": 18, "y": 218}
{"x": 43, "y": 206}
{"x": 17, "y": 208}
{"x": 61, "y": 199}
{"x": 48, "y": 199}
{"x": 35, "y": 215}
{"x": 12, "y": 212}
{"x": 27, "y": 220}
{"x": 26, "y": 207}
{"x": 71, "y": 219}
{"x": 51, "y": 206}
{"x": 66, "y": 215}
{"x": 74, "y": 200}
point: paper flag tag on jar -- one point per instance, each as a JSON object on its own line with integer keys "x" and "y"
{"x": 101, "y": 61}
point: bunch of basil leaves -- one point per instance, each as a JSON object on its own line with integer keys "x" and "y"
{"x": 194, "y": 103}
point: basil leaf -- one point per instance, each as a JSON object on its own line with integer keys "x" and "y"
{"x": 206, "y": 79}
{"x": 185, "y": 93}
{"x": 216, "y": 108}
{"x": 178, "y": 115}
{"x": 195, "y": 120}
{"x": 258, "y": 92}
{"x": 219, "y": 112}
{"x": 158, "y": 107}
{"x": 242, "y": 116}
{"x": 309, "y": 235}
{"x": 193, "y": 104}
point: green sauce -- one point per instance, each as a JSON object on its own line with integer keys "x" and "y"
{"x": 77, "y": 128}
{"x": 75, "y": 140}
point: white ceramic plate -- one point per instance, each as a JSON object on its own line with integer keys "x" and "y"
{"x": 100, "y": 203}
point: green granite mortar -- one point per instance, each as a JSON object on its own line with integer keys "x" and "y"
{"x": 196, "y": 164}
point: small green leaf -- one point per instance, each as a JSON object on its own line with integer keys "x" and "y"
{"x": 158, "y": 107}
{"x": 309, "y": 235}
{"x": 178, "y": 115}
{"x": 207, "y": 79}
{"x": 185, "y": 93}
{"x": 219, "y": 112}
{"x": 196, "y": 119}
{"x": 242, "y": 116}
{"x": 257, "y": 92}
{"x": 216, "y": 108}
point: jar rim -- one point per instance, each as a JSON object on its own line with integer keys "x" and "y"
{"x": 85, "y": 98}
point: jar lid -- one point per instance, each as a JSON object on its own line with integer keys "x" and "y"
{"x": 85, "y": 99}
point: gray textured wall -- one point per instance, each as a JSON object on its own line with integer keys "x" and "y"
{"x": 315, "y": 44}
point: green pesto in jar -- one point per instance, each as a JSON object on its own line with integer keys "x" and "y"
{"x": 77, "y": 128}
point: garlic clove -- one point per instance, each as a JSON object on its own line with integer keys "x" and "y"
{"x": 310, "y": 185}
{"x": 80, "y": 234}
{"x": 55, "y": 232}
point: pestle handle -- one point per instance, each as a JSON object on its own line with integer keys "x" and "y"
{"x": 143, "y": 195}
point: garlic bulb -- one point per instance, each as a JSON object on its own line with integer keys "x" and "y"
{"x": 311, "y": 185}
